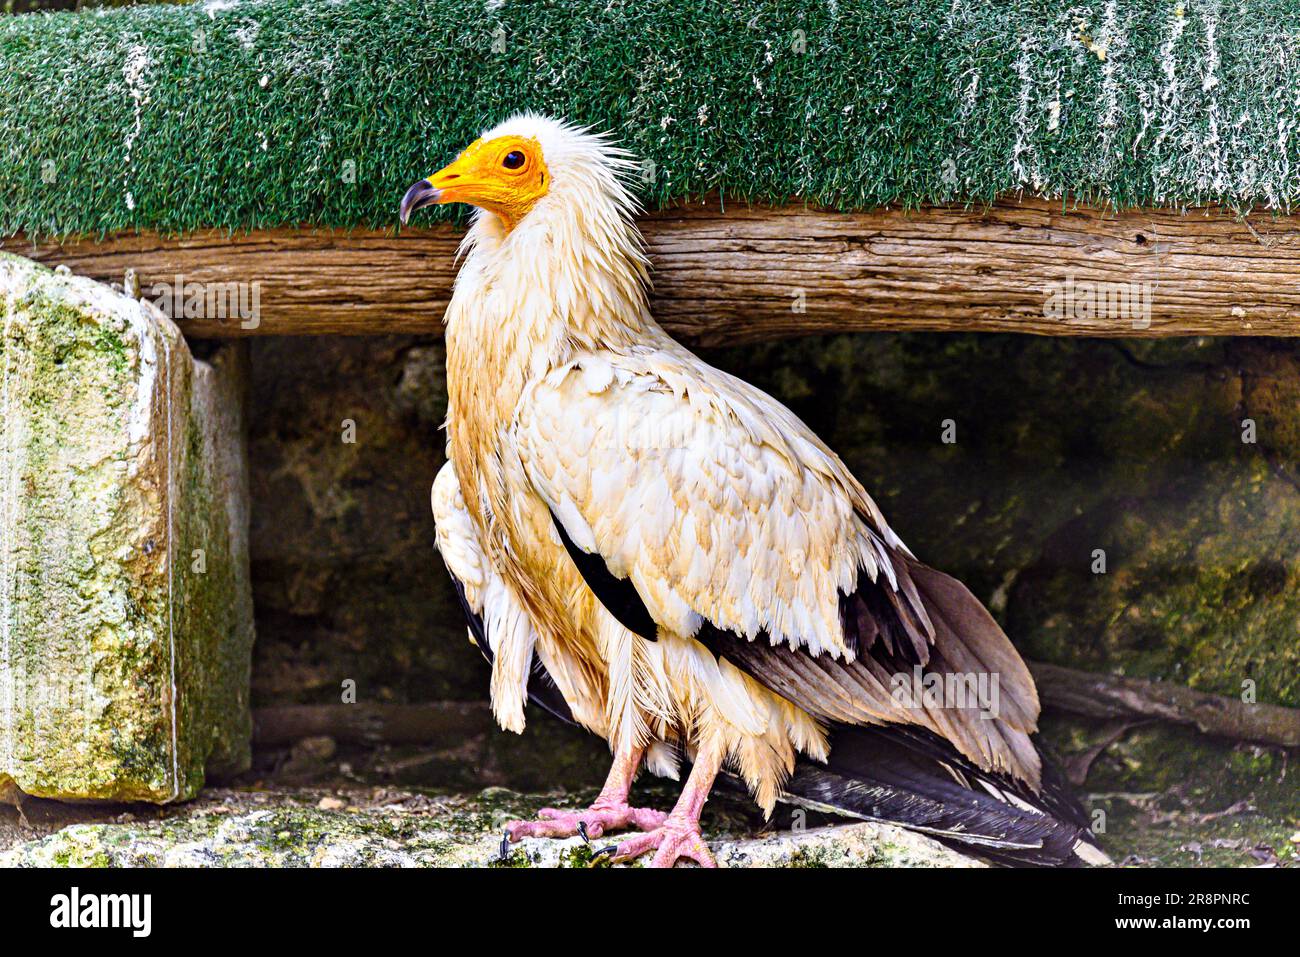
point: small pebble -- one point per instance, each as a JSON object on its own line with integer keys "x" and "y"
{"x": 331, "y": 804}
{"x": 319, "y": 748}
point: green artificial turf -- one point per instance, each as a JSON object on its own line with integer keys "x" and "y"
{"x": 251, "y": 114}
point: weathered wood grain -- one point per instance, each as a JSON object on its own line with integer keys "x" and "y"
{"x": 742, "y": 274}
{"x": 1135, "y": 699}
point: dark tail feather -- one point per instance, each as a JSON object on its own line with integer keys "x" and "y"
{"x": 915, "y": 779}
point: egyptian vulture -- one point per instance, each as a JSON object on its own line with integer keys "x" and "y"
{"x": 667, "y": 556}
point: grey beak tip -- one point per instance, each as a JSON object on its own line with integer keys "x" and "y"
{"x": 417, "y": 197}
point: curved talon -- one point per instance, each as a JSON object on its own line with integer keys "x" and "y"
{"x": 582, "y": 833}
{"x": 602, "y": 856}
{"x": 504, "y": 850}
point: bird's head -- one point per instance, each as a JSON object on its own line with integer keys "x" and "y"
{"x": 527, "y": 162}
{"x": 506, "y": 175}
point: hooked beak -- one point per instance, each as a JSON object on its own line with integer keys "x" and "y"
{"x": 422, "y": 194}
{"x": 458, "y": 182}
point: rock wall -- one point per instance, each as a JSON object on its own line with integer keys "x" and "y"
{"x": 343, "y": 447}
{"x": 1061, "y": 448}
{"x": 1070, "y": 453}
{"x": 125, "y": 606}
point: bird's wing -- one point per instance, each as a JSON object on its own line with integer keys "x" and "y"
{"x": 694, "y": 502}
{"x": 505, "y": 634}
{"x": 524, "y": 668}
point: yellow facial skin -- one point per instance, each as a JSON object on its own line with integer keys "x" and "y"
{"x": 506, "y": 176}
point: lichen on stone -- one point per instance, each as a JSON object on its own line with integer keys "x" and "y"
{"x": 406, "y": 829}
{"x": 123, "y": 668}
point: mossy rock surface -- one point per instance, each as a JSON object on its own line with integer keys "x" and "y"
{"x": 125, "y": 606}
{"x": 389, "y": 828}
{"x": 1169, "y": 797}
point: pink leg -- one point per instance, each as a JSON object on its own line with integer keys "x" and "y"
{"x": 610, "y": 812}
{"x": 679, "y": 836}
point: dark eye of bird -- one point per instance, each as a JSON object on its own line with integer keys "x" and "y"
{"x": 514, "y": 159}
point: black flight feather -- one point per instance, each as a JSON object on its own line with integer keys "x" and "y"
{"x": 914, "y": 778}
{"x": 618, "y": 595}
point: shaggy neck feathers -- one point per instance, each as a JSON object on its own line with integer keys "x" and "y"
{"x": 571, "y": 276}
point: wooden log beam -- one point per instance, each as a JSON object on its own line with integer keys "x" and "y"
{"x": 1112, "y": 697}
{"x": 746, "y": 273}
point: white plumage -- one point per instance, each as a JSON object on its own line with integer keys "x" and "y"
{"x": 571, "y": 411}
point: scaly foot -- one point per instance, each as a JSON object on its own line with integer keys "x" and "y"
{"x": 595, "y": 821}
{"x": 676, "y": 838}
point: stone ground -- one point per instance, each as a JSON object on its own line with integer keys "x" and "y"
{"x": 1169, "y": 798}
{"x": 384, "y": 827}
